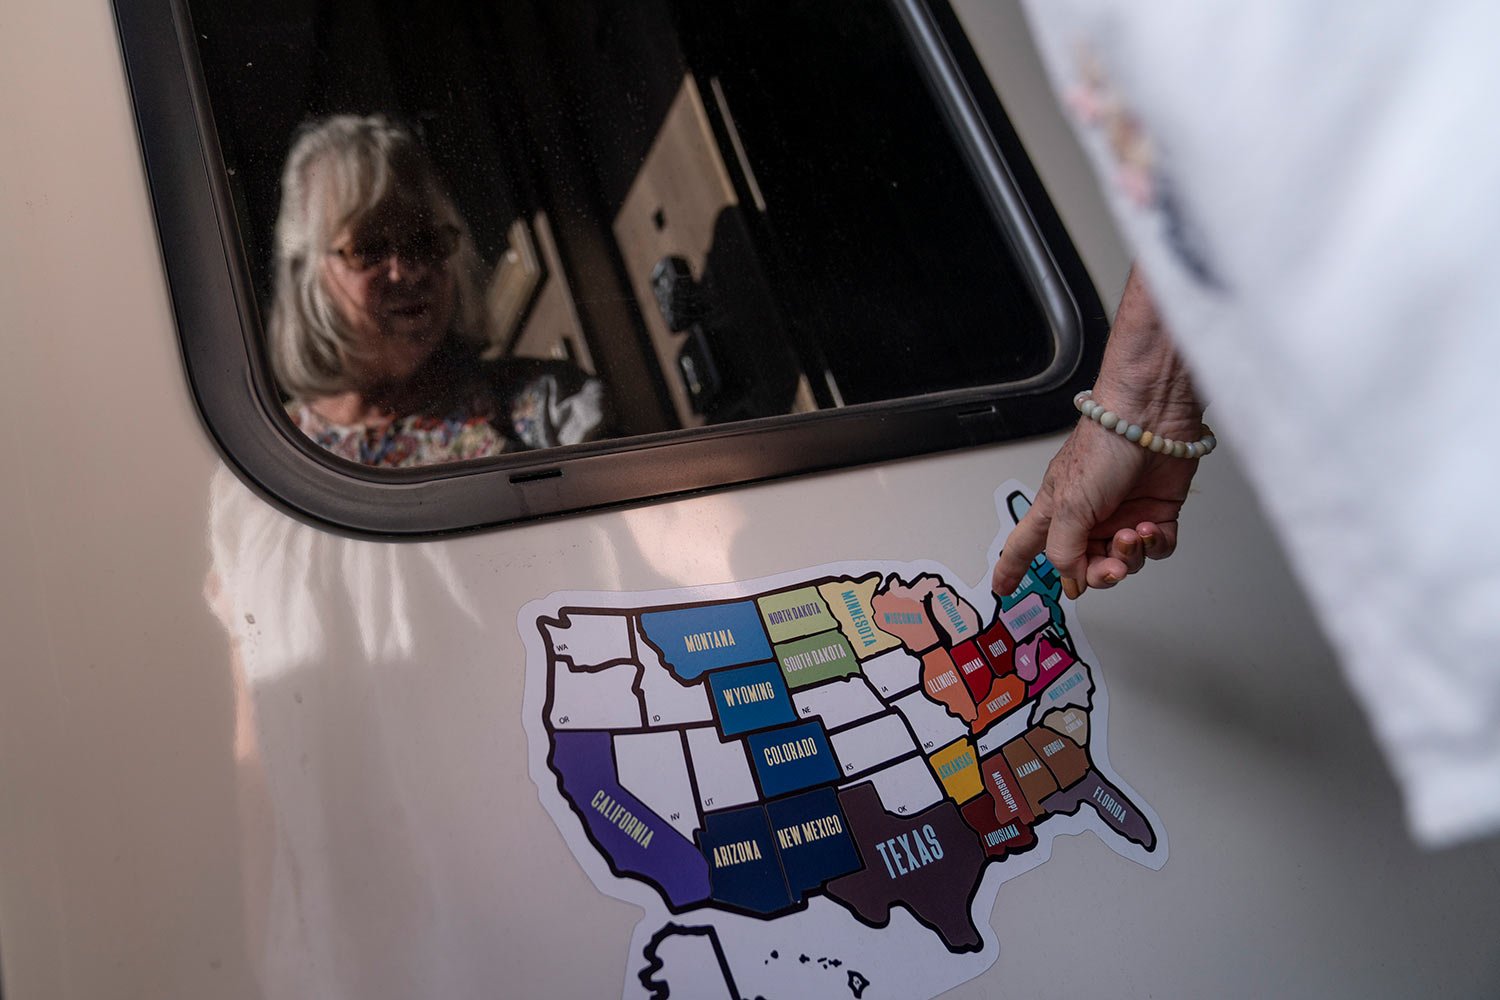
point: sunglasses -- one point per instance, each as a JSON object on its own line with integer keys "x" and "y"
{"x": 420, "y": 246}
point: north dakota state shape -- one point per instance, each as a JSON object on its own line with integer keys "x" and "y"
{"x": 817, "y": 782}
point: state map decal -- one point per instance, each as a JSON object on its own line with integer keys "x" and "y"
{"x": 815, "y": 784}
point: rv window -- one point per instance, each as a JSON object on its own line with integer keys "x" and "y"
{"x": 465, "y": 230}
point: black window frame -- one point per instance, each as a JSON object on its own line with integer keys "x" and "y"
{"x": 218, "y": 331}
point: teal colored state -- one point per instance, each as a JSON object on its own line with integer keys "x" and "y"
{"x": 1040, "y": 579}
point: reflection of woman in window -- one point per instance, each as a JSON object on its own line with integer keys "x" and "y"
{"x": 376, "y": 320}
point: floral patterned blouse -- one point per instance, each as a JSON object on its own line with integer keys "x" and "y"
{"x": 537, "y": 411}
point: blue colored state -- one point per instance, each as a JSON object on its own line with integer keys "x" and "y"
{"x": 812, "y": 838}
{"x": 791, "y": 759}
{"x": 753, "y": 697}
{"x": 698, "y": 639}
{"x": 742, "y": 863}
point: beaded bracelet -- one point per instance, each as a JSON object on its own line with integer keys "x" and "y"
{"x": 1112, "y": 421}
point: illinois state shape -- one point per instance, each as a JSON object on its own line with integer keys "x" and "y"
{"x": 941, "y": 682}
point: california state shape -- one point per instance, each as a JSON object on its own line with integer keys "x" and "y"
{"x": 630, "y": 835}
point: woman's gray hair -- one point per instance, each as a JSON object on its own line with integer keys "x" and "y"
{"x": 340, "y": 169}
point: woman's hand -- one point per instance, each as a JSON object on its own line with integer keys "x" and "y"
{"x": 1104, "y": 507}
{"x": 1107, "y": 505}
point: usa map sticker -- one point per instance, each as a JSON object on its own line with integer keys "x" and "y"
{"x": 816, "y": 783}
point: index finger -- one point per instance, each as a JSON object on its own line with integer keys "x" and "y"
{"x": 1025, "y": 543}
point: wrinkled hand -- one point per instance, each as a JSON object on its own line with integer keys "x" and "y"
{"x": 1104, "y": 507}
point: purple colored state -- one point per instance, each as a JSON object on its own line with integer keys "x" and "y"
{"x": 1111, "y": 805}
{"x": 632, "y": 837}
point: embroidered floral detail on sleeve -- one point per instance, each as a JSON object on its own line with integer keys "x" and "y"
{"x": 1140, "y": 173}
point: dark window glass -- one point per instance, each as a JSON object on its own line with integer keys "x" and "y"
{"x": 719, "y": 209}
